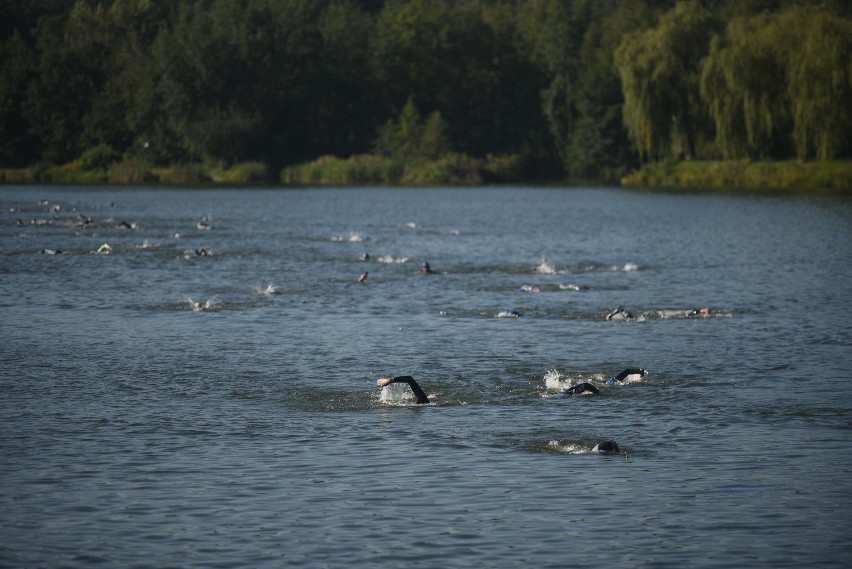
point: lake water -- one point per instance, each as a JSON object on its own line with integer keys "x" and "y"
{"x": 139, "y": 432}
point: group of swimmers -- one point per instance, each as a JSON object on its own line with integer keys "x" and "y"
{"x": 622, "y": 313}
{"x": 603, "y": 447}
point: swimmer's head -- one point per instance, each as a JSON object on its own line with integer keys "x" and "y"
{"x": 606, "y": 447}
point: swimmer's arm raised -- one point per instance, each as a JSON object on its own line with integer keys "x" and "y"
{"x": 629, "y": 371}
{"x": 418, "y": 392}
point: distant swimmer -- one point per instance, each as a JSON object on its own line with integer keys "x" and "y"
{"x": 620, "y": 314}
{"x": 606, "y": 447}
{"x": 508, "y": 314}
{"x": 528, "y": 288}
{"x": 703, "y": 311}
{"x": 365, "y": 256}
{"x": 105, "y": 249}
{"x": 363, "y": 278}
{"x": 579, "y": 389}
{"x": 203, "y": 223}
{"x": 50, "y": 252}
{"x": 418, "y": 392}
{"x": 201, "y": 252}
{"x": 425, "y": 268}
{"x": 628, "y": 374}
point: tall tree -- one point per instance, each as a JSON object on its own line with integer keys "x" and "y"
{"x": 440, "y": 53}
{"x": 17, "y": 145}
{"x": 70, "y": 71}
{"x": 344, "y": 105}
{"x": 745, "y": 85}
{"x": 236, "y": 78}
{"x": 820, "y": 84}
{"x": 660, "y": 72}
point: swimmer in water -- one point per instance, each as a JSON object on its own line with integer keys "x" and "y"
{"x": 105, "y": 249}
{"x": 606, "y": 447}
{"x": 619, "y": 314}
{"x": 201, "y": 252}
{"x": 579, "y": 389}
{"x": 628, "y": 374}
{"x": 425, "y": 268}
{"x": 703, "y": 311}
{"x": 419, "y": 394}
{"x": 508, "y": 314}
{"x": 365, "y": 256}
{"x": 363, "y": 278}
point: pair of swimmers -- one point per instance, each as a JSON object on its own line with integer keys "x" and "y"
{"x": 621, "y": 313}
{"x": 627, "y": 374}
{"x": 605, "y": 447}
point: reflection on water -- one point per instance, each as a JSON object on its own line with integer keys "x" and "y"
{"x": 205, "y": 393}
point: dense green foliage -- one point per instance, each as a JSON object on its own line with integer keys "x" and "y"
{"x": 435, "y": 89}
{"x": 735, "y": 175}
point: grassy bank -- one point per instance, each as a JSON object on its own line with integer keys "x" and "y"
{"x": 132, "y": 171}
{"x": 750, "y": 175}
{"x": 450, "y": 169}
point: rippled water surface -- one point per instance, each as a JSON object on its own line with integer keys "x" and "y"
{"x": 139, "y": 431}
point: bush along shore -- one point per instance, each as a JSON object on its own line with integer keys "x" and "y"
{"x": 832, "y": 176}
{"x": 450, "y": 170}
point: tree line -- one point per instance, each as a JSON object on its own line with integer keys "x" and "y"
{"x": 569, "y": 87}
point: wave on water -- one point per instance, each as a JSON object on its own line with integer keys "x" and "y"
{"x": 559, "y": 381}
{"x": 548, "y": 268}
{"x": 555, "y": 380}
{"x": 399, "y": 394}
{"x": 545, "y": 267}
{"x": 569, "y": 448}
{"x": 354, "y": 237}
{"x": 391, "y": 260}
{"x": 267, "y": 290}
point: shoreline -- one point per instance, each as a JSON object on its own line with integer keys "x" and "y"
{"x": 724, "y": 176}
{"x": 740, "y": 175}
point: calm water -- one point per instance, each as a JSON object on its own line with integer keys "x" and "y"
{"x": 138, "y": 432}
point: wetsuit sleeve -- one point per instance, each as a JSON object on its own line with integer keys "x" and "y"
{"x": 580, "y": 388}
{"x": 418, "y": 392}
{"x": 629, "y": 371}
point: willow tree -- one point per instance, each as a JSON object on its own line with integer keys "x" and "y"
{"x": 820, "y": 85}
{"x": 744, "y": 84}
{"x": 660, "y": 76}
